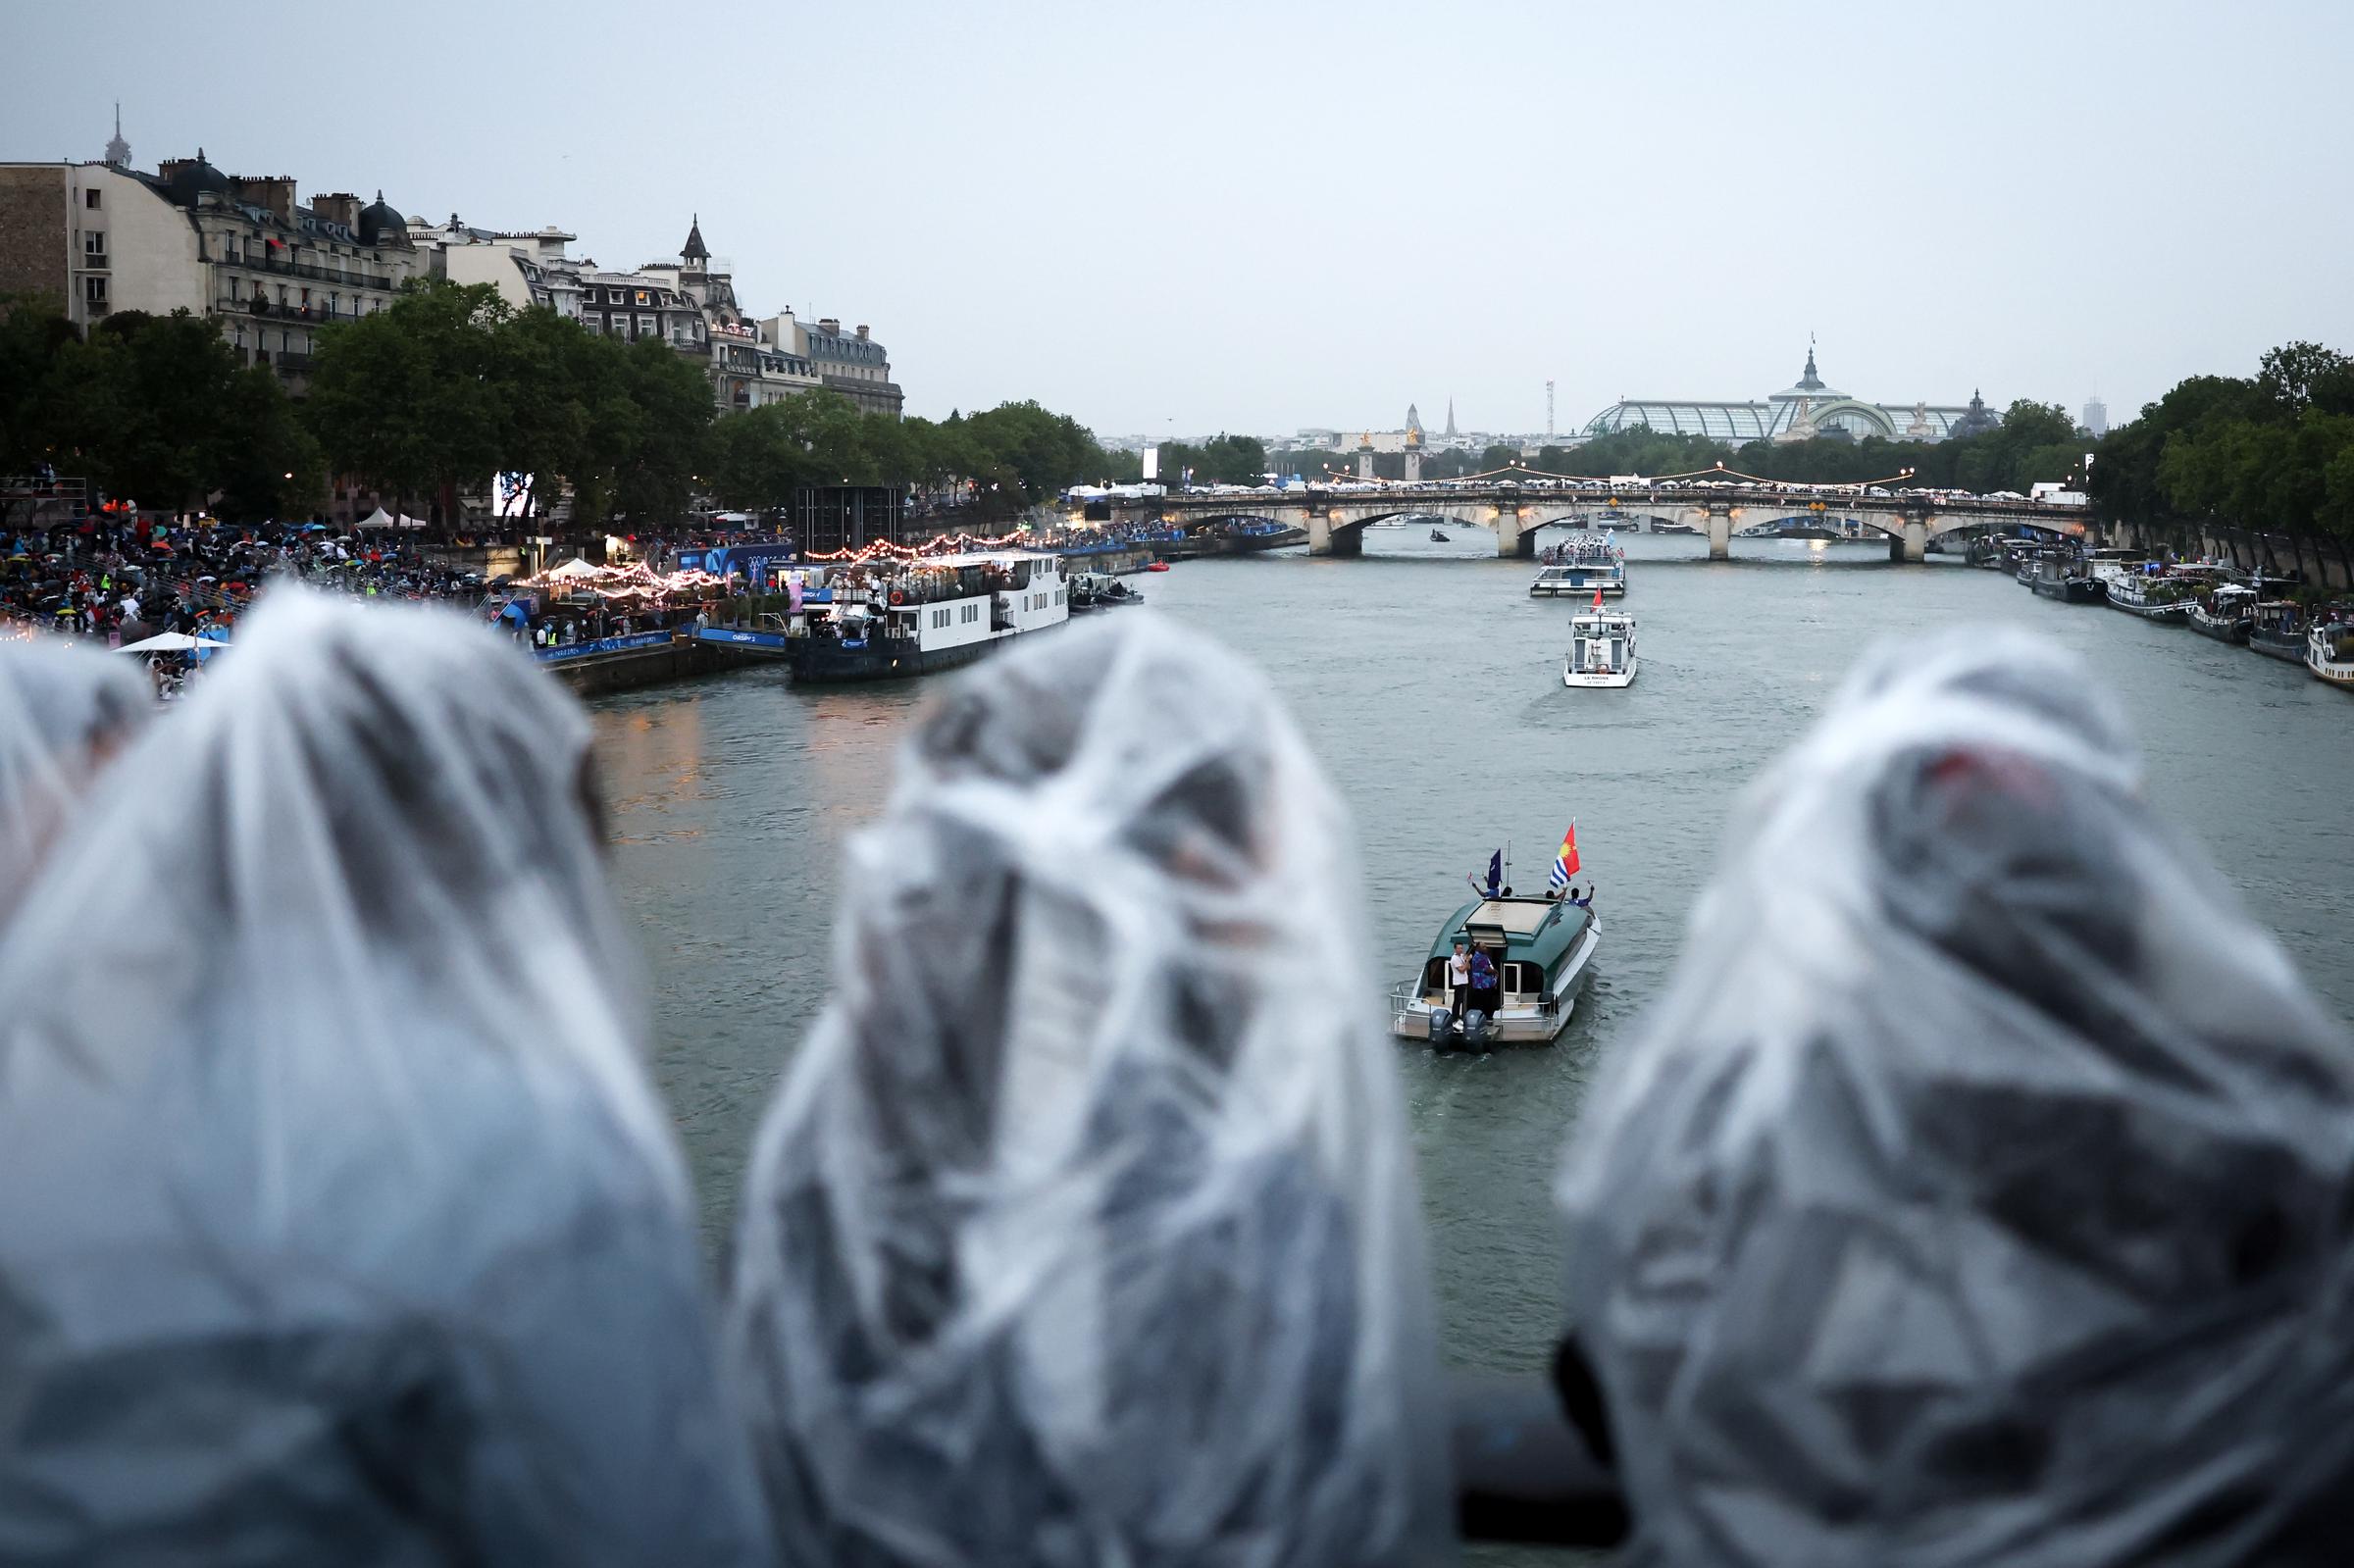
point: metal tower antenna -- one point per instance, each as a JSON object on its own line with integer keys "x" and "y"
{"x": 1549, "y": 410}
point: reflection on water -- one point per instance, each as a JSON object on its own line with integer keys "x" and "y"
{"x": 1431, "y": 688}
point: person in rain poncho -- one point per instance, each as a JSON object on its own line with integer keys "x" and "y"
{"x": 340, "y": 1223}
{"x": 1979, "y": 1192}
{"x": 64, "y": 712}
{"x": 1084, "y": 1231}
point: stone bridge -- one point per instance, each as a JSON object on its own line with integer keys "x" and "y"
{"x": 1335, "y": 519}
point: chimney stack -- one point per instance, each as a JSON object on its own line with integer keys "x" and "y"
{"x": 862, "y": 331}
{"x": 275, "y": 192}
{"x": 830, "y": 324}
{"x": 338, "y": 207}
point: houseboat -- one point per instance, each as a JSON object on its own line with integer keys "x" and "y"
{"x": 2330, "y": 653}
{"x": 2223, "y": 614}
{"x": 886, "y": 621}
{"x": 2276, "y": 629}
{"x": 2070, "y": 580}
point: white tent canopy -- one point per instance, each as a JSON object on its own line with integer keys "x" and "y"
{"x": 574, "y": 568}
{"x": 377, "y": 519}
{"x": 407, "y": 521}
{"x": 171, "y": 642}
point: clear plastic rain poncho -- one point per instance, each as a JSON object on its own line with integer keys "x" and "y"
{"x": 339, "y": 1223}
{"x": 1979, "y": 1192}
{"x": 1083, "y": 1230}
{"x": 64, "y": 711}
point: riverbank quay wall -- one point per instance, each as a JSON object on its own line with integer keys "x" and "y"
{"x": 2325, "y": 563}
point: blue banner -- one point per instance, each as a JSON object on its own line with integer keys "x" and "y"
{"x": 581, "y": 650}
{"x": 757, "y": 640}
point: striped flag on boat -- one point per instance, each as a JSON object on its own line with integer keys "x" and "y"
{"x": 1564, "y": 863}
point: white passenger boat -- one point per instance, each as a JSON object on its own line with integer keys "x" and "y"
{"x": 2330, "y": 653}
{"x": 886, "y": 620}
{"x": 1601, "y": 649}
{"x": 1580, "y": 564}
{"x": 1539, "y": 947}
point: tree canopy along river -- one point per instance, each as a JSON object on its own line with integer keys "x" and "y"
{"x": 1432, "y": 690}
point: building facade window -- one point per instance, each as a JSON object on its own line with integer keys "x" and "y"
{"x": 93, "y": 293}
{"x": 94, "y": 246}
{"x": 90, "y": 199}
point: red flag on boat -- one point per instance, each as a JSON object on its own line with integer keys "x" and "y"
{"x": 1598, "y": 598}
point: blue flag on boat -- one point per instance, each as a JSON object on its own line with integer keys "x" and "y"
{"x": 1495, "y": 877}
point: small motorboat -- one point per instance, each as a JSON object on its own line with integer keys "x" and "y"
{"x": 1436, "y": 538}
{"x": 1540, "y": 948}
{"x": 1156, "y": 566}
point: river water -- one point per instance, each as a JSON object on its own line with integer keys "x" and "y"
{"x": 1431, "y": 688}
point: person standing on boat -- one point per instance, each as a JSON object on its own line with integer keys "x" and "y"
{"x": 1459, "y": 978}
{"x": 1483, "y": 972}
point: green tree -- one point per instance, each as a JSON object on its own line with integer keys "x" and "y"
{"x": 157, "y": 409}
{"x": 33, "y": 331}
{"x": 416, "y": 399}
{"x": 655, "y": 472}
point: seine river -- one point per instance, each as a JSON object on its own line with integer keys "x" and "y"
{"x": 1431, "y": 688}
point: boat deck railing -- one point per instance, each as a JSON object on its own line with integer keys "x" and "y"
{"x": 1403, "y": 997}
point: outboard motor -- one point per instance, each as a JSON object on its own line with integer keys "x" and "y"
{"x": 1478, "y": 1030}
{"x": 1442, "y": 1025}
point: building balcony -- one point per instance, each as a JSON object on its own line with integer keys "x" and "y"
{"x": 346, "y": 277}
{"x": 269, "y": 310}
{"x": 291, "y": 364}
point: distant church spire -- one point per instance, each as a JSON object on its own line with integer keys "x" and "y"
{"x": 694, "y": 250}
{"x": 1450, "y": 419}
{"x": 118, "y": 151}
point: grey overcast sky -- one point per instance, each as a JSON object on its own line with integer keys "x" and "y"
{"x": 1259, "y": 216}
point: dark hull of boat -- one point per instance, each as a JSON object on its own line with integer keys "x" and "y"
{"x": 823, "y": 661}
{"x": 2288, "y": 646}
{"x": 2155, "y": 612}
{"x": 2220, "y": 630}
{"x": 2071, "y": 590}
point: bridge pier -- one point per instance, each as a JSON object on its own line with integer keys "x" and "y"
{"x": 1913, "y": 547}
{"x": 1413, "y": 465}
{"x": 1325, "y": 539}
{"x": 1720, "y": 535}
{"x": 1364, "y": 463}
{"x": 1515, "y": 538}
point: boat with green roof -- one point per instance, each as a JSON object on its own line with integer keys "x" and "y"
{"x": 1539, "y": 947}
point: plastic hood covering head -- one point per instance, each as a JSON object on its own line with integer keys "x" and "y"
{"x": 1084, "y": 1229}
{"x": 64, "y": 710}
{"x": 339, "y": 1223}
{"x": 1978, "y": 1193}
